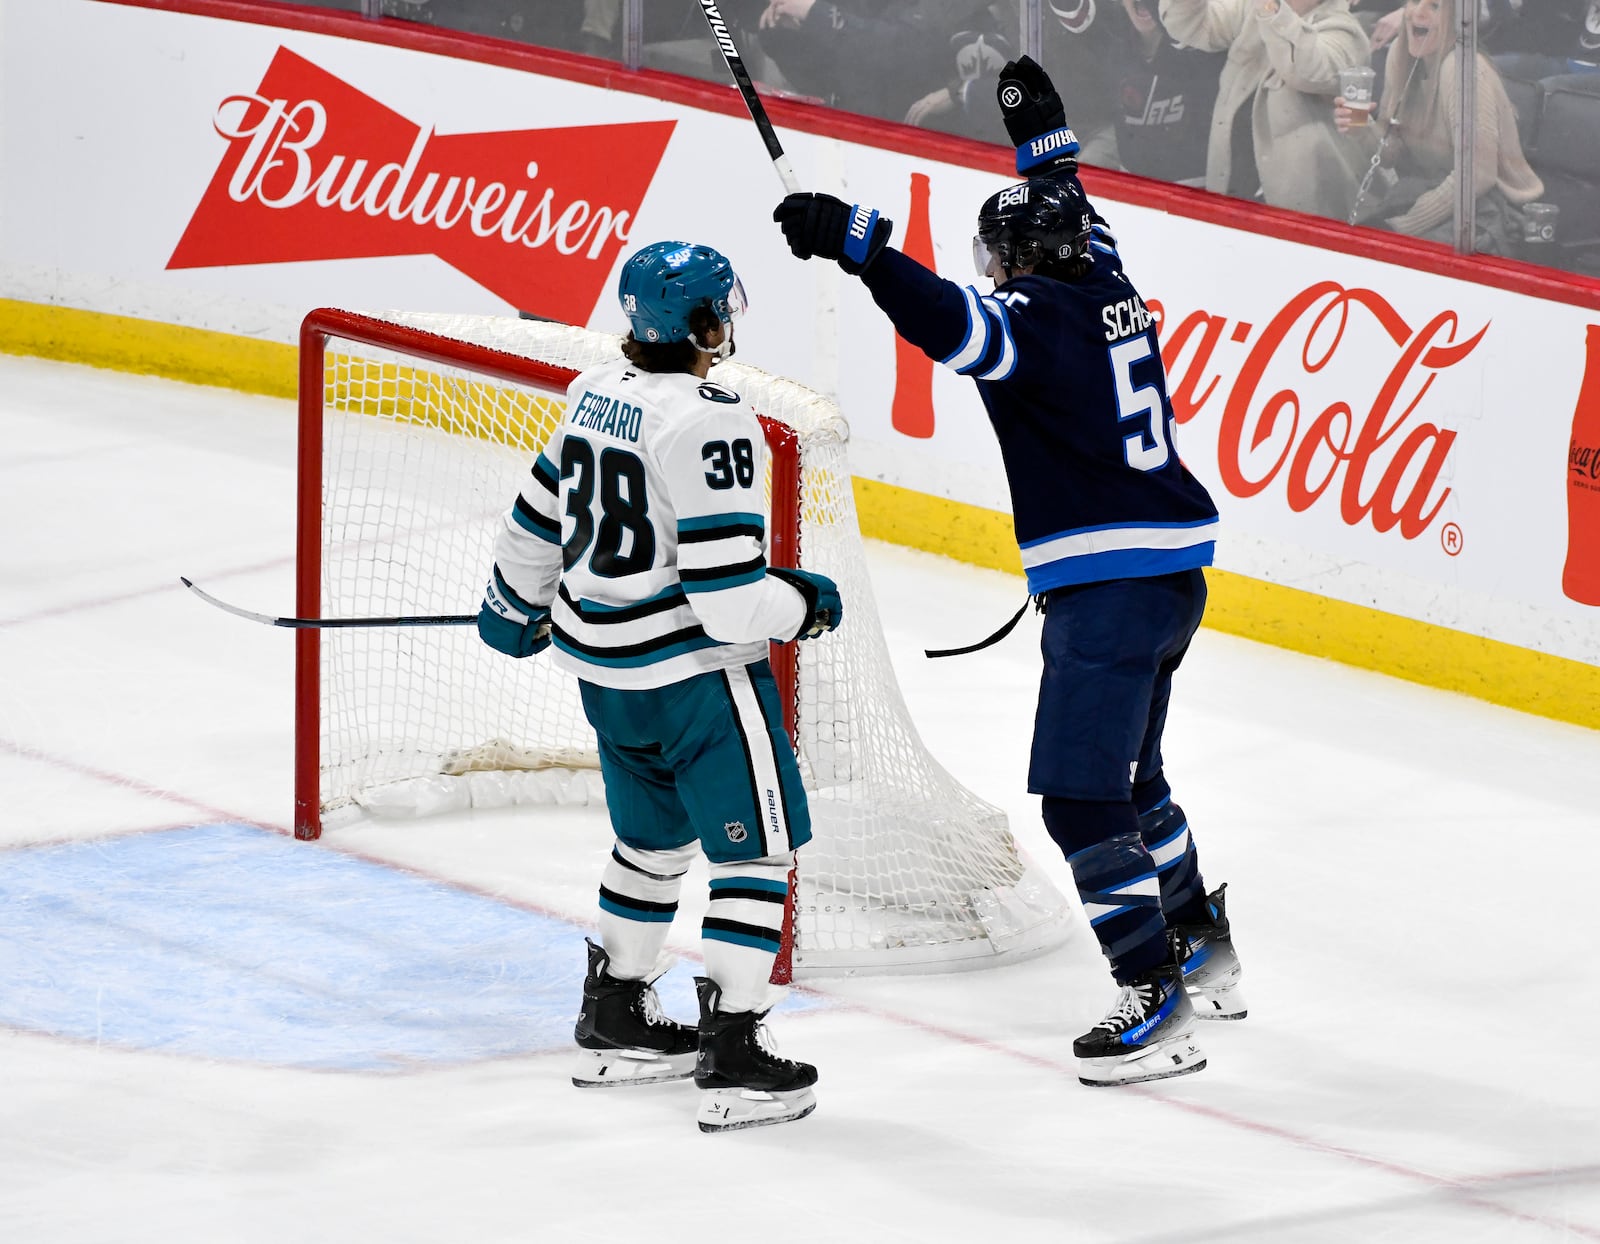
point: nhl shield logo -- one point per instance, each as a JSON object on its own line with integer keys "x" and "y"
{"x": 736, "y": 831}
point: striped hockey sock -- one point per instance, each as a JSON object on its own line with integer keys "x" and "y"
{"x": 638, "y": 899}
{"x": 1121, "y": 896}
{"x": 1165, "y": 830}
{"x": 743, "y": 929}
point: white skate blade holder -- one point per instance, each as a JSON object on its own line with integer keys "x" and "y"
{"x": 1221, "y": 1004}
{"x": 728, "y": 1110}
{"x": 1176, "y": 1056}
{"x": 619, "y": 1068}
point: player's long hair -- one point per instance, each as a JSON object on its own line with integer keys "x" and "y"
{"x": 671, "y": 356}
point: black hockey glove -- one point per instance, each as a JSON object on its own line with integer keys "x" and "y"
{"x": 824, "y": 608}
{"x": 1036, "y": 120}
{"x": 821, "y": 225}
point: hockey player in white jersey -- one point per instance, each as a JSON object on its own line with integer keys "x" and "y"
{"x": 637, "y": 547}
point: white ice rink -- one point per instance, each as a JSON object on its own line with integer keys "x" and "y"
{"x": 210, "y": 1033}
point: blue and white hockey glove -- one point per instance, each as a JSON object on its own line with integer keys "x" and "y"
{"x": 824, "y": 608}
{"x": 509, "y": 624}
{"x": 1036, "y": 120}
{"x": 830, "y": 228}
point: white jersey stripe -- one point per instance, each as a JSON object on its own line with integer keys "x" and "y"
{"x": 1109, "y": 539}
{"x": 977, "y": 341}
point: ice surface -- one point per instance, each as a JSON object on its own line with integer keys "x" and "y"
{"x": 209, "y": 1032}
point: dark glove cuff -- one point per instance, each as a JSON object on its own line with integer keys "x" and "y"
{"x": 1048, "y": 151}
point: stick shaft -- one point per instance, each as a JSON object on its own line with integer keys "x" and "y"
{"x": 747, "y": 88}
{"x": 266, "y": 619}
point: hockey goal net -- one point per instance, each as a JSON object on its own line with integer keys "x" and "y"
{"x": 416, "y": 431}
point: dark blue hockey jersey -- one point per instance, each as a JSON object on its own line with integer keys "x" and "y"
{"x": 1071, "y": 375}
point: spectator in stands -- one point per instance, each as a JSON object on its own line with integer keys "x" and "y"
{"x": 1081, "y": 38}
{"x": 1164, "y": 94}
{"x": 877, "y": 57}
{"x": 1271, "y": 133}
{"x": 965, "y": 103}
{"x": 602, "y": 24}
{"x": 1418, "y": 113}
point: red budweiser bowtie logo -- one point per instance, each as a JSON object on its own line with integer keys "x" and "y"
{"x": 316, "y": 170}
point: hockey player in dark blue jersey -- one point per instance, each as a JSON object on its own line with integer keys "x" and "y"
{"x": 1114, "y": 531}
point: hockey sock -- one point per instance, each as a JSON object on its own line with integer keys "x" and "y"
{"x": 743, "y": 929}
{"x": 1165, "y": 830}
{"x": 1116, "y": 880}
{"x": 638, "y": 898}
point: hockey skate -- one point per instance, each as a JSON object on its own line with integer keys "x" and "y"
{"x": 1211, "y": 974}
{"x": 623, "y": 1038}
{"x": 1148, "y": 1034}
{"x": 742, "y": 1082}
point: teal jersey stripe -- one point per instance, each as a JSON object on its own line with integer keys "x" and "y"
{"x": 708, "y": 522}
{"x": 719, "y": 585}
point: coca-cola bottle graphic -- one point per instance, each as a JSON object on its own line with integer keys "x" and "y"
{"x": 911, "y": 412}
{"x": 1580, "y": 580}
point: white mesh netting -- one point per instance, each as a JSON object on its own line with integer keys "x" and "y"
{"x": 908, "y": 869}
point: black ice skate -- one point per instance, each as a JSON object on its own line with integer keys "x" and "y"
{"x": 1211, "y": 974}
{"x": 742, "y": 1082}
{"x": 623, "y": 1037}
{"x": 1149, "y": 1033}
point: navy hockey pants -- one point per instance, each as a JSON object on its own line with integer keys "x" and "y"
{"x": 1110, "y": 650}
{"x": 704, "y": 758}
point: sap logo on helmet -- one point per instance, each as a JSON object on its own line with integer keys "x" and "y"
{"x": 678, "y": 258}
{"x": 1014, "y": 197}
{"x": 859, "y": 222}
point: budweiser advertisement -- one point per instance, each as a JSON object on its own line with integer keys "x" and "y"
{"x": 1424, "y": 445}
{"x": 315, "y": 169}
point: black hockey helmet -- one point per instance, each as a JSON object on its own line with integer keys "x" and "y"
{"x": 1041, "y": 223}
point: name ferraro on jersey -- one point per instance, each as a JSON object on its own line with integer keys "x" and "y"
{"x": 610, "y": 416}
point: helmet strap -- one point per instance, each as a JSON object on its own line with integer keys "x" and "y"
{"x": 718, "y": 353}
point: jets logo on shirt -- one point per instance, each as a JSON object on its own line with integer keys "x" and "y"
{"x": 716, "y": 393}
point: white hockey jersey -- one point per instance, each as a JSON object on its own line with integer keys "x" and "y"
{"x": 643, "y": 527}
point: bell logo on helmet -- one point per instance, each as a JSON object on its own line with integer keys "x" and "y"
{"x": 1016, "y": 196}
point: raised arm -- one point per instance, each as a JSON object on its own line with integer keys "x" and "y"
{"x": 1210, "y": 25}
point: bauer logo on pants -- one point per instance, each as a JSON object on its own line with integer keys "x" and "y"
{"x": 314, "y": 169}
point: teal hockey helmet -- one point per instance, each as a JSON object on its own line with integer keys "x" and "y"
{"x": 665, "y": 281}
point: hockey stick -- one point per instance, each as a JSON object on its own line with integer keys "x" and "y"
{"x": 446, "y": 619}
{"x": 747, "y": 88}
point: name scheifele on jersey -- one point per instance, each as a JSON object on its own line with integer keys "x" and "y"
{"x": 1070, "y": 374}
